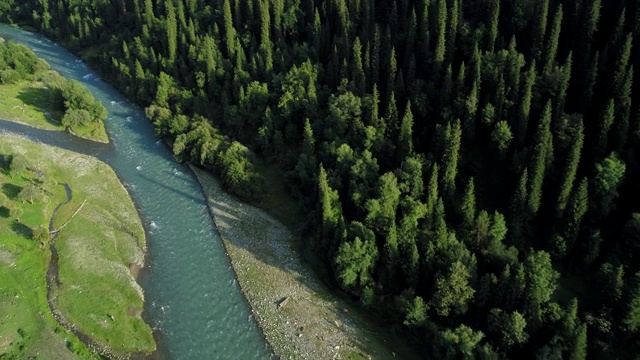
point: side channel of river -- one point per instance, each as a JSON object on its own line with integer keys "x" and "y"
{"x": 192, "y": 299}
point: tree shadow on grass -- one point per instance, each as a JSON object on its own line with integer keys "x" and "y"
{"x": 22, "y": 229}
{"x": 41, "y": 99}
{"x": 4, "y": 212}
{"x": 11, "y": 190}
{"x": 5, "y": 162}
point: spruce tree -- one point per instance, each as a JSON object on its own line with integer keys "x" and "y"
{"x": 571, "y": 168}
{"x": 468, "y": 206}
{"x": 172, "y": 31}
{"x": 492, "y": 24}
{"x": 551, "y": 47}
{"x": 539, "y": 29}
{"x": 524, "y": 107}
{"x": 441, "y": 30}
{"x": 405, "y": 135}
{"x": 541, "y": 151}
{"x": 229, "y": 30}
{"x": 451, "y": 137}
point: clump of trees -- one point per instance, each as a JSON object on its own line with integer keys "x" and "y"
{"x": 18, "y": 62}
{"x": 74, "y": 101}
{"x": 35, "y": 190}
{"x": 79, "y": 105}
{"x": 467, "y": 167}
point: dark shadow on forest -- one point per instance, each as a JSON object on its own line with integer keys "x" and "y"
{"x": 36, "y": 97}
{"x": 22, "y": 229}
{"x": 11, "y": 190}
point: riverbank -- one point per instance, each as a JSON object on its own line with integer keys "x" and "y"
{"x": 100, "y": 245}
{"x": 298, "y": 315}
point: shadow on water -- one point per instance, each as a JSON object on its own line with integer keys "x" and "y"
{"x": 198, "y": 200}
{"x": 22, "y": 229}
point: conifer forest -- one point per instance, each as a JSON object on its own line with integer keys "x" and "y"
{"x": 470, "y": 170}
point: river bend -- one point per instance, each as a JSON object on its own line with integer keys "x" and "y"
{"x": 192, "y": 299}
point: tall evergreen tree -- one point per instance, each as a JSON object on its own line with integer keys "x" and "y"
{"x": 524, "y": 107}
{"x": 541, "y": 151}
{"x": 172, "y": 30}
{"x": 441, "y": 31}
{"x": 551, "y": 47}
{"x": 571, "y": 167}
{"x": 539, "y": 29}
{"x": 492, "y": 24}
{"x": 229, "y": 30}
{"x": 405, "y": 135}
{"x": 468, "y": 206}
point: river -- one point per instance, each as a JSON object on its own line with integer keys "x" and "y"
{"x": 193, "y": 301}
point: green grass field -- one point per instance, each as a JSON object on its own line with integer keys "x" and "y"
{"x": 97, "y": 294}
{"x": 29, "y": 102}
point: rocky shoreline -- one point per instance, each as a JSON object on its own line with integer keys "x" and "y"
{"x": 296, "y": 313}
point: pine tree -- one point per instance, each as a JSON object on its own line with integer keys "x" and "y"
{"x": 468, "y": 206}
{"x": 432, "y": 191}
{"x": 451, "y": 138}
{"x": 579, "y": 349}
{"x": 592, "y": 15}
{"x": 391, "y": 117}
{"x": 229, "y": 30}
{"x": 332, "y": 222}
{"x": 606, "y": 120}
{"x": 492, "y": 26}
{"x": 571, "y": 168}
{"x": 265, "y": 35}
{"x": 551, "y": 47}
{"x": 441, "y": 29}
{"x": 577, "y": 207}
{"x": 357, "y": 70}
{"x": 524, "y": 107}
{"x": 405, "y": 135}
{"x": 539, "y": 29}
{"x": 563, "y": 86}
{"x": 172, "y": 30}
{"x": 541, "y": 152}
{"x": 423, "y": 31}
{"x": 308, "y": 141}
{"x": 148, "y": 12}
{"x": 455, "y": 17}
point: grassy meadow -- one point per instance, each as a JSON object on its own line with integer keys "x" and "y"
{"x": 101, "y": 237}
{"x": 30, "y": 102}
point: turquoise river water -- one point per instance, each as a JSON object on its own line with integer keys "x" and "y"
{"x": 192, "y": 299}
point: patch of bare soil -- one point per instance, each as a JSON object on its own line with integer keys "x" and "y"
{"x": 299, "y": 317}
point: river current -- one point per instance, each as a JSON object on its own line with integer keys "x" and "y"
{"x": 192, "y": 299}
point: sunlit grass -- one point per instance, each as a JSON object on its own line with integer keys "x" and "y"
{"x": 30, "y": 103}
{"x": 97, "y": 292}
